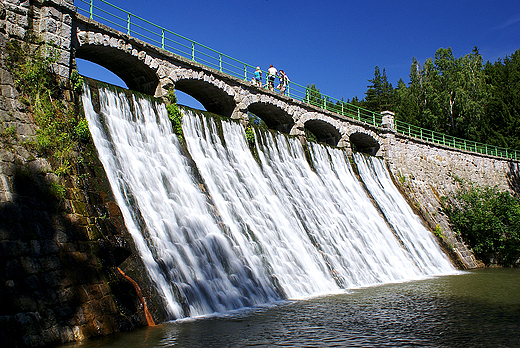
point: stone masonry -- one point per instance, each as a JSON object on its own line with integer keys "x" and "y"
{"x": 58, "y": 256}
{"x": 428, "y": 172}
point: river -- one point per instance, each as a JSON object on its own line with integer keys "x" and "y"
{"x": 479, "y": 308}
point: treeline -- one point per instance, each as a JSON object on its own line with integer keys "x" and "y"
{"x": 462, "y": 97}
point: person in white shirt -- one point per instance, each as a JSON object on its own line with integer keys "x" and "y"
{"x": 271, "y": 74}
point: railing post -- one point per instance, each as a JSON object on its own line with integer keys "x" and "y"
{"x": 220, "y": 62}
{"x": 245, "y": 72}
{"x": 288, "y": 92}
{"x": 91, "y": 10}
{"x": 193, "y": 51}
{"x": 162, "y": 39}
{"x": 128, "y": 25}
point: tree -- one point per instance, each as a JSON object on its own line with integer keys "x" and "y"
{"x": 502, "y": 110}
{"x": 313, "y": 96}
{"x": 447, "y": 94}
{"x": 379, "y": 95}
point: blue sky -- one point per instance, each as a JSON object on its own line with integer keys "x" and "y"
{"x": 333, "y": 44}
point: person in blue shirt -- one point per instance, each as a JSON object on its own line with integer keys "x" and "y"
{"x": 258, "y": 77}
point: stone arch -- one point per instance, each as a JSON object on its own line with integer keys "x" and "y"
{"x": 136, "y": 68}
{"x": 365, "y": 141}
{"x": 326, "y": 129}
{"x": 215, "y": 95}
{"x": 276, "y": 113}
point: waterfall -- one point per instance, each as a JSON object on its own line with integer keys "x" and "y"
{"x": 416, "y": 240}
{"x": 224, "y": 230}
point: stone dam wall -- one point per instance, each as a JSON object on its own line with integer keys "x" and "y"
{"x": 59, "y": 256}
{"x": 426, "y": 172}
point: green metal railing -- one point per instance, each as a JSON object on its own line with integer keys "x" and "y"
{"x": 156, "y": 35}
{"x": 458, "y": 143}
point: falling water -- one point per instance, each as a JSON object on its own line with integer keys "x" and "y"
{"x": 416, "y": 240}
{"x": 244, "y": 231}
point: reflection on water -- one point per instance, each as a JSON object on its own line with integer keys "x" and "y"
{"x": 475, "y": 309}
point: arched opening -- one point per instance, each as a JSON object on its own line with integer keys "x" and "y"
{"x": 134, "y": 72}
{"x": 212, "y": 98}
{"x": 97, "y": 72}
{"x": 187, "y": 100}
{"x": 323, "y": 131}
{"x": 274, "y": 117}
{"x": 364, "y": 143}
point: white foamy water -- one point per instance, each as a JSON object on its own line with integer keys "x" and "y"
{"x": 264, "y": 230}
{"x": 417, "y": 241}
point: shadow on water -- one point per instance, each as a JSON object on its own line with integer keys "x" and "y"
{"x": 474, "y": 309}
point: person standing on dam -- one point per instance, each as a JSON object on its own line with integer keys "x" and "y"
{"x": 271, "y": 74}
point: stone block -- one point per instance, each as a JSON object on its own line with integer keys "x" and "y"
{"x": 50, "y": 263}
{"x": 9, "y": 91}
{"x": 98, "y": 39}
{"x": 40, "y": 165}
{"x": 30, "y": 265}
{"x": 27, "y": 304}
{"x": 52, "y": 279}
{"x": 32, "y": 283}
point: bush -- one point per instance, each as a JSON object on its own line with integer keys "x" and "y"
{"x": 488, "y": 221}
{"x": 174, "y": 114}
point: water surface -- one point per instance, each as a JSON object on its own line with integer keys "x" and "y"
{"x": 479, "y": 308}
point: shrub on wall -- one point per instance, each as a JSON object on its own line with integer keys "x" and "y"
{"x": 488, "y": 220}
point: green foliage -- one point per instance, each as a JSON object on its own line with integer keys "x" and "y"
{"x": 58, "y": 190}
{"x": 402, "y": 178}
{"x": 313, "y": 96}
{"x": 310, "y": 136}
{"x": 60, "y": 128}
{"x": 438, "y": 231}
{"x": 380, "y": 93}
{"x": 488, "y": 221}
{"x": 8, "y": 133}
{"x": 461, "y": 97}
{"x": 81, "y": 131}
{"x": 250, "y": 136}
{"x": 174, "y": 114}
{"x": 446, "y": 94}
{"x": 76, "y": 81}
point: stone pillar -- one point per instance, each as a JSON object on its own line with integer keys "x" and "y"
{"x": 344, "y": 143}
{"x": 54, "y": 25}
{"x": 388, "y": 120}
{"x": 298, "y": 130}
